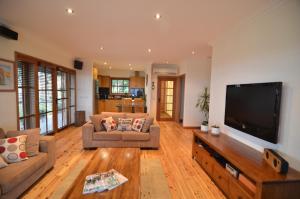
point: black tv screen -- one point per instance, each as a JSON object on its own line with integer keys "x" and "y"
{"x": 254, "y": 109}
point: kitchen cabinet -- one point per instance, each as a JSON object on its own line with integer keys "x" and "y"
{"x": 104, "y": 81}
{"x": 108, "y": 105}
{"x": 137, "y": 82}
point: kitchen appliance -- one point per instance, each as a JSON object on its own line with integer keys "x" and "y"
{"x": 103, "y": 93}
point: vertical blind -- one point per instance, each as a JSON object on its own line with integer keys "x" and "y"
{"x": 26, "y": 95}
{"x": 46, "y": 96}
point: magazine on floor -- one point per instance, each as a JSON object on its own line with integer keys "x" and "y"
{"x": 100, "y": 182}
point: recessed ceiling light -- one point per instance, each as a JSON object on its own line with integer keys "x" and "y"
{"x": 105, "y": 63}
{"x": 70, "y": 11}
{"x": 157, "y": 16}
{"x": 193, "y": 52}
{"x": 101, "y": 48}
{"x": 149, "y": 50}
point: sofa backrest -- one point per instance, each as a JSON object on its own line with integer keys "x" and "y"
{"x": 117, "y": 115}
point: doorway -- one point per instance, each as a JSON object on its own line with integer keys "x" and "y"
{"x": 166, "y": 98}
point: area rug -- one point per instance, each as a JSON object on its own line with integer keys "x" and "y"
{"x": 68, "y": 181}
{"x": 153, "y": 181}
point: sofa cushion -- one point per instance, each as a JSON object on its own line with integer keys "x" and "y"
{"x": 2, "y": 133}
{"x": 136, "y": 115}
{"x": 148, "y": 122}
{"x": 125, "y": 124}
{"x": 2, "y": 163}
{"x": 32, "y": 141}
{"x": 109, "y": 124}
{"x": 13, "y": 149}
{"x": 96, "y": 120}
{"x": 114, "y": 115}
{"x": 14, "y": 174}
{"x": 135, "y": 136}
{"x": 114, "y": 135}
{"x": 138, "y": 124}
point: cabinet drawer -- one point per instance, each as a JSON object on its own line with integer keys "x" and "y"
{"x": 207, "y": 163}
{"x": 196, "y": 153}
{"x": 221, "y": 178}
{"x": 236, "y": 191}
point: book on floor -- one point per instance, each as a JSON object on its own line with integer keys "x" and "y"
{"x": 100, "y": 182}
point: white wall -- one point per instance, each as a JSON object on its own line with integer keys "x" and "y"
{"x": 85, "y": 89}
{"x": 264, "y": 48}
{"x": 148, "y": 89}
{"x": 33, "y": 45}
{"x": 197, "y": 77}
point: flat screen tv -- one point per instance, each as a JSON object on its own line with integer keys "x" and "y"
{"x": 254, "y": 109}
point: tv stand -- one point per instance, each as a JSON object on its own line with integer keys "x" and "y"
{"x": 256, "y": 179}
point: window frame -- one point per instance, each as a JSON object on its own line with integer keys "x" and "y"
{"x": 120, "y": 78}
{"x": 55, "y": 68}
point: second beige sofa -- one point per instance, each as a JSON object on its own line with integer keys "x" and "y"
{"x": 92, "y": 139}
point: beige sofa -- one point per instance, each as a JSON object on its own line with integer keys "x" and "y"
{"x": 17, "y": 177}
{"x": 92, "y": 139}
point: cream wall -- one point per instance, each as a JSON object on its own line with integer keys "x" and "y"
{"x": 264, "y": 48}
{"x": 197, "y": 77}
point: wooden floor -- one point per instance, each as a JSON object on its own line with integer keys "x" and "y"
{"x": 185, "y": 177}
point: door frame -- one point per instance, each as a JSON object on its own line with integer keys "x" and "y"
{"x": 178, "y": 97}
{"x": 166, "y": 78}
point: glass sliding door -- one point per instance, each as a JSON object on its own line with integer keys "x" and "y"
{"x": 46, "y": 95}
{"x": 45, "y": 91}
{"x": 26, "y": 95}
{"x": 62, "y": 100}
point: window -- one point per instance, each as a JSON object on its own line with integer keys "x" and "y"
{"x": 26, "y": 95}
{"x": 119, "y": 86}
{"x": 46, "y": 95}
{"x": 45, "y": 90}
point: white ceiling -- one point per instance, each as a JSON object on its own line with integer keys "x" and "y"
{"x": 127, "y": 28}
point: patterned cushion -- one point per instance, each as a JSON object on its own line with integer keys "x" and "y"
{"x": 147, "y": 124}
{"x": 109, "y": 124}
{"x": 2, "y": 163}
{"x": 13, "y": 149}
{"x": 32, "y": 141}
{"x": 125, "y": 124}
{"x": 138, "y": 124}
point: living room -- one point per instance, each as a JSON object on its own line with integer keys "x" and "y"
{"x": 192, "y": 45}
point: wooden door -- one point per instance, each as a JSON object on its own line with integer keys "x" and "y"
{"x": 166, "y": 98}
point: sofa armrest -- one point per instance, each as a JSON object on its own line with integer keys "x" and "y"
{"x": 87, "y": 134}
{"x": 155, "y": 134}
{"x": 47, "y": 145}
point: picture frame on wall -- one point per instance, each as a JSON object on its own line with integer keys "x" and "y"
{"x": 7, "y": 75}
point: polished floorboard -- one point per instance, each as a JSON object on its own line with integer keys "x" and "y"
{"x": 185, "y": 177}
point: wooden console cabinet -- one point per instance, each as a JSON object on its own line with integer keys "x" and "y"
{"x": 262, "y": 181}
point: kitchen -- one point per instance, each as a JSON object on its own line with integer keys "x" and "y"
{"x": 120, "y": 90}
